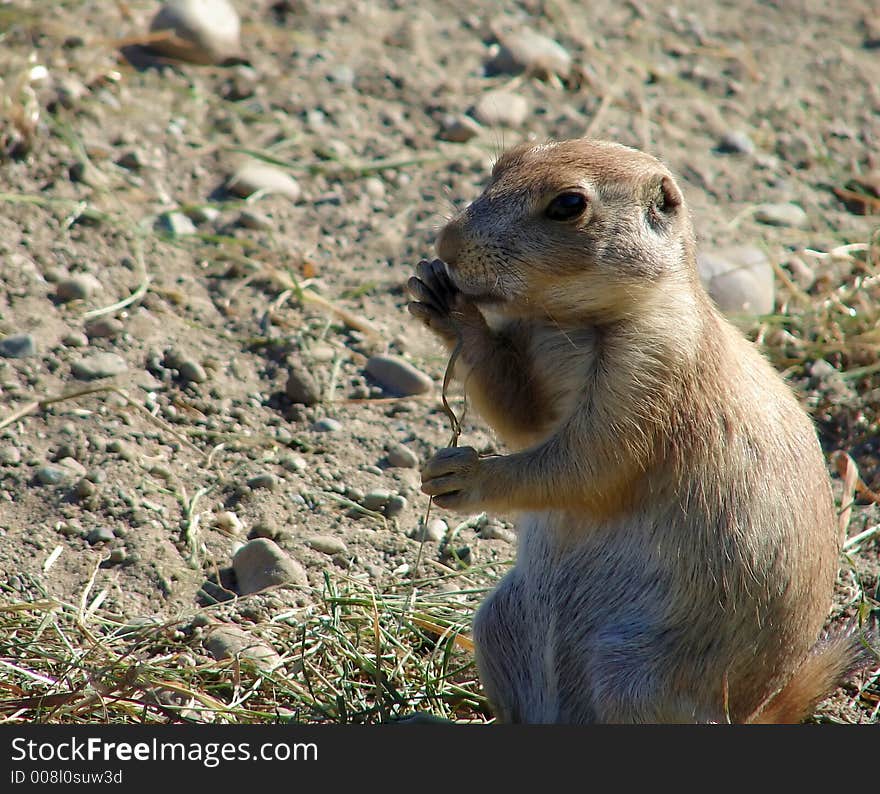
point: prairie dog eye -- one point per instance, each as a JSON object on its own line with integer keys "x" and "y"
{"x": 566, "y": 206}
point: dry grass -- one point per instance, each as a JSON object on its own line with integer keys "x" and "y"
{"x": 356, "y": 656}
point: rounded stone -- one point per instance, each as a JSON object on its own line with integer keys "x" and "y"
{"x": 301, "y": 386}
{"x": 327, "y": 544}
{"x": 98, "y": 365}
{"x": 501, "y": 108}
{"x": 100, "y": 535}
{"x": 782, "y": 215}
{"x": 228, "y": 642}
{"x": 256, "y": 176}
{"x": 78, "y": 287}
{"x": 18, "y": 346}
{"x": 401, "y": 456}
{"x": 739, "y": 279}
{"x": 204, "y": 31}
{"x": 261, "y": 563}
{"x": 398, "y": 376}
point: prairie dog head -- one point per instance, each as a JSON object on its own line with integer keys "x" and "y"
{"x": 578, "y": 228}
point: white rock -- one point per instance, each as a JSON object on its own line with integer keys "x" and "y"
{"x": 525, "y": 50}
{"x": 204, "y": 31}
{"x": 782, "y": 215}
{"x": 739, "y": 279}
{"x": 398, "y": 376}
{"x": 255, "y": 175}
{"x": 501, "y": 109}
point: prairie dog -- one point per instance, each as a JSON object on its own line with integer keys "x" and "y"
{"x": 678, "y": 544}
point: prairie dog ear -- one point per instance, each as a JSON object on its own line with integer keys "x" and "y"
{"x": 668, "y": 195}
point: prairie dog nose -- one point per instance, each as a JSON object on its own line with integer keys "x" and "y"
{"x": 449, "y": 242}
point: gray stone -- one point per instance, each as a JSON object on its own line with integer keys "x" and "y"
{"x": 301, "y": 387}
{"x": 524, "y": 50}
{"x": 398, "y": 376}
{"x": 401, "y": 456}
{"x": 782, "y": 215}
{"x": 205, "y": 31}
{"x": 104, "y": 328}
{"x": 248, "y": 219}
{"x": 739, "y": 279}
{"x": 395, "y": 506}
{"x": 100, "y": 535}
{"x": 229, "y": 642}
{"x": 18, "y": 346}
{"x": 376, "y": 499}
{"x": 266, "y": 480}
{"x": 458, "y": 129}
{"x": 328, "y": 425}
{"x": 131, "y": 160}
{"x": 735, "y": 142}
{"x": 75, "y": 339}
{"x": 261, "y": 563}
{"x": 435, "y": 531}
{"x": 255, "y": 176}
{"x": 191, "y": 371}
{"x": 501, "y": 108}
{"x": 98, "y": 365}
{"x": 78, "y": 287}
{"x": 327, "y": 544}
{"x": 177, "y": 224}
{"x": 53, "y": 475}
{"x": 10, "y": 455}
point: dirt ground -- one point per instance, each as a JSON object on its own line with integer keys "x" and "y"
{"x": 141, "y": 491}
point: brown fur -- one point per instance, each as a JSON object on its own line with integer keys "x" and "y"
{"x": 678, "y": 543}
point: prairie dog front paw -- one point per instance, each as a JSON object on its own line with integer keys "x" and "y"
{"x": 439, "y": 304}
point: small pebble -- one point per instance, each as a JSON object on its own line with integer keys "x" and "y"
{"x": 524, "y": 50}
{"x": 177, "y": 224}
{"x": 261, "y": 563}
{"x": 9, "y": 455}
{"x": 327, "y": 544}
{"x": 266, "y": 480}
{"x": 301, "y": 386}
{"x": 501, "y": 108}
{"x": 458, "y": 129}
{"x": 205, "y": 31}
{"x": 75, "y": 339}
{"x": 395, "y": 506}
{"x": 255, "y": 175}
{"x": 328, "y": 425}
{"x": 98, "y": 365}
{"x": 229, "y": 642}
{"x": 53, "y": 475}
{"x": 100, "y": 535}
{"x": 228, "y": 522}
{"x": 782, "y": 215}
{"x": 294, "y": 463}
{"x": 104, "y": 328}
{"x": 118, "y": 556}
{"x": 85, "y": 488}
{"x": 131, "y": 160}
{"x": 401, "y": 456}
{"x": 264, "y": 529}
{"x": 248, "y": 219}
{"x": 398, "y": 376}
{"x": 435, "y": 530}
{"x": 78, "y": 287}
{"x": 191, "y": 371}
{"x": 18, "y": 346}
{"x": 376, "y": 499}
{"x": 735, "y": 142}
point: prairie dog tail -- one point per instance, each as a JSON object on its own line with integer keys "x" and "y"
{"x": 827, "y": 664}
